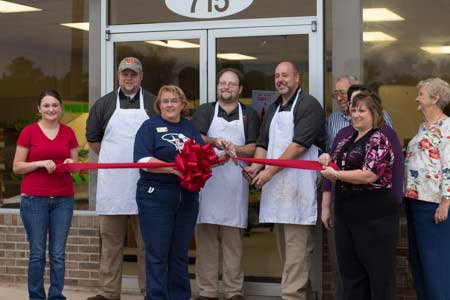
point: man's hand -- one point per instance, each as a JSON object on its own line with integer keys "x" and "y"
{"x": 262, "y": 177}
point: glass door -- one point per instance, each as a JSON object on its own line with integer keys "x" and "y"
{"x": 256, "y": 52}
{"x": 167, "y": 57}
{"x": 191, "y": 60}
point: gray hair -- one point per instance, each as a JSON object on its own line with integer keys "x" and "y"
{"x": 352, "y": 79}
{"x": 438, "y": 89}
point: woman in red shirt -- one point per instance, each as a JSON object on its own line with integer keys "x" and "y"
{"x": 47, "y": 198}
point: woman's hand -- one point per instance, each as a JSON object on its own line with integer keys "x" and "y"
{"x": 329, "y": 173}
{"x": 47, "y": 164}
{"x": 68, "y": 161}
{"x": 441, "y": 213}
{"x": 176, "y": 172}
{"x": 324, "y": 159}
{"x": 326, "y": 210}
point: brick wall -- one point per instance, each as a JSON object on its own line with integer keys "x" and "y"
{"x": 82, "y": 251}
{"x": 405, "y": 289}
{"x": 82, "y": 254}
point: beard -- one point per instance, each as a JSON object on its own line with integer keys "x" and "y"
{"x": 228, "y": 99}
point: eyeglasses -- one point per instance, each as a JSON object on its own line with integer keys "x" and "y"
{"x": 170, "y": 101}
{"x": 229, "y": 83}
{"x": 339, "y": 93}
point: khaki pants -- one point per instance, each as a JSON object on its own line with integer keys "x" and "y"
{"x": 113, "y": 230}
{"x": 211, "y": 240}
{"x": 295, "y": 245}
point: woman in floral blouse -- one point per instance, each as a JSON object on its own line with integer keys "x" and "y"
{"x": 366, "y": 212}
{"x": 428, "y": 193}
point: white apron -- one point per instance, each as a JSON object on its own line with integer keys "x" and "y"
{"x": 116, "y": 188}
{"x": 290, "y": 196}
{"x": 224, "y": 198}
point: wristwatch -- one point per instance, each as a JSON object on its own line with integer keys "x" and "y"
{"x": 446, "y": 198}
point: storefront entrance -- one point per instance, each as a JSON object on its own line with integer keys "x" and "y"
{"x": 191, "y": 58}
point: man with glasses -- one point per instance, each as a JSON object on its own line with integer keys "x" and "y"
{"x": 233, "y": 127}
{"x": 341, "y": 117}
{"x": 293, "y": 128}
{"x": 111, "y": 127}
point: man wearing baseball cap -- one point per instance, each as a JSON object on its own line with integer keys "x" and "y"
{"x": 110, "y": 130}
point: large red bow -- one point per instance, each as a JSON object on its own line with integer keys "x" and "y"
{"x": 195, "y": 163}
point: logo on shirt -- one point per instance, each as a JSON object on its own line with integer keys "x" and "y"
{"x": 176, "y": 139}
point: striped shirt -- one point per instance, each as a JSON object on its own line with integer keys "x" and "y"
{"x": 338, "y": 120}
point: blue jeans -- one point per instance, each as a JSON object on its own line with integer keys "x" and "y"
{"x": 429, "y": 251}
{"x": 42, "y": 216}
{"x": 167, "y": 216}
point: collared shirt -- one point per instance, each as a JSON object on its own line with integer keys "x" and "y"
{"x": 338, "y": 120}
{"x": 104, "y": 108}
{"x": 204, "y": 115}
{"x": 309, "y": 121}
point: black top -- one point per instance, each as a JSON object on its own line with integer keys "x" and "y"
{"x": 309, "y": 121}
{"x": 204, "y": 115}
{"x": 103, "y": 109}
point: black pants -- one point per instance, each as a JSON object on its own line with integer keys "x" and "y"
{"x": 366, "y": 257}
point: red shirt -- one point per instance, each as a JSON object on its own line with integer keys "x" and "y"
{"x": 40, "y": 147}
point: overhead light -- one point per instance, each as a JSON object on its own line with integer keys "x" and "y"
{"x": 83, "y": 25}
{"x": 7, "y": 7}
{"x": 437, "y": 49}
{"x": 380, "y": 15}
{"x": 377, "y": 36}
{"x": 235, "y": 56}
{"x": 177, "y": 44}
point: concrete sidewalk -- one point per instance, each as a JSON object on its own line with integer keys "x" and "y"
{"x": 20, "y": 292}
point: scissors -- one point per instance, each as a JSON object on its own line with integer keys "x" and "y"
{"x": 236, "y": 162}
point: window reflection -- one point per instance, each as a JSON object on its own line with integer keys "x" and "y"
{"x": 167, "y": 62}
{"x": 39, "y": 53}
{"x": 395, "y": 67}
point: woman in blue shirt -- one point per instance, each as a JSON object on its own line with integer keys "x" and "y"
{"x": 167, "y": 212}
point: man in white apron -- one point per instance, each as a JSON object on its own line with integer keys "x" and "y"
{"x": 224, "y": 199}
{"x": 293, "y": 128}
{"x": 111, "y": 128}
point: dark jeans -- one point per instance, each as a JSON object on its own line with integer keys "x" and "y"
{"x": 366, "y": 257}
{"x": 167, "y": 214}
{"x": 429, "y": 251}
{"x": 42, "y": 216}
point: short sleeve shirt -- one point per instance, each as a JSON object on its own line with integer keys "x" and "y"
{"x": 204, "y": 115}
{"x": 309, "y": 121}
{"x": 39, "y": 182}
{"x": 163, "y": 140}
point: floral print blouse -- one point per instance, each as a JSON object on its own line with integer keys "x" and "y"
{"x": 427, "y": 163}
{"x": 372, "y": 152}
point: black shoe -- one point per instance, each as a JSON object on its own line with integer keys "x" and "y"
{"x": 205, "y": 298}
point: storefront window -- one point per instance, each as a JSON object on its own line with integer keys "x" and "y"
{"x": 395, "y": 57}
{"x": 40, "y": 51}
{"x": 144, "y": 11}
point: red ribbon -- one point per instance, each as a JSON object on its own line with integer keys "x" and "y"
{"x": 288, "y": 163}
{"x": 194, "y": 162}
{"x": 73, "y": 167}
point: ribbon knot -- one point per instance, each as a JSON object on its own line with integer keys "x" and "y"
{"x": 195, "y": 163}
